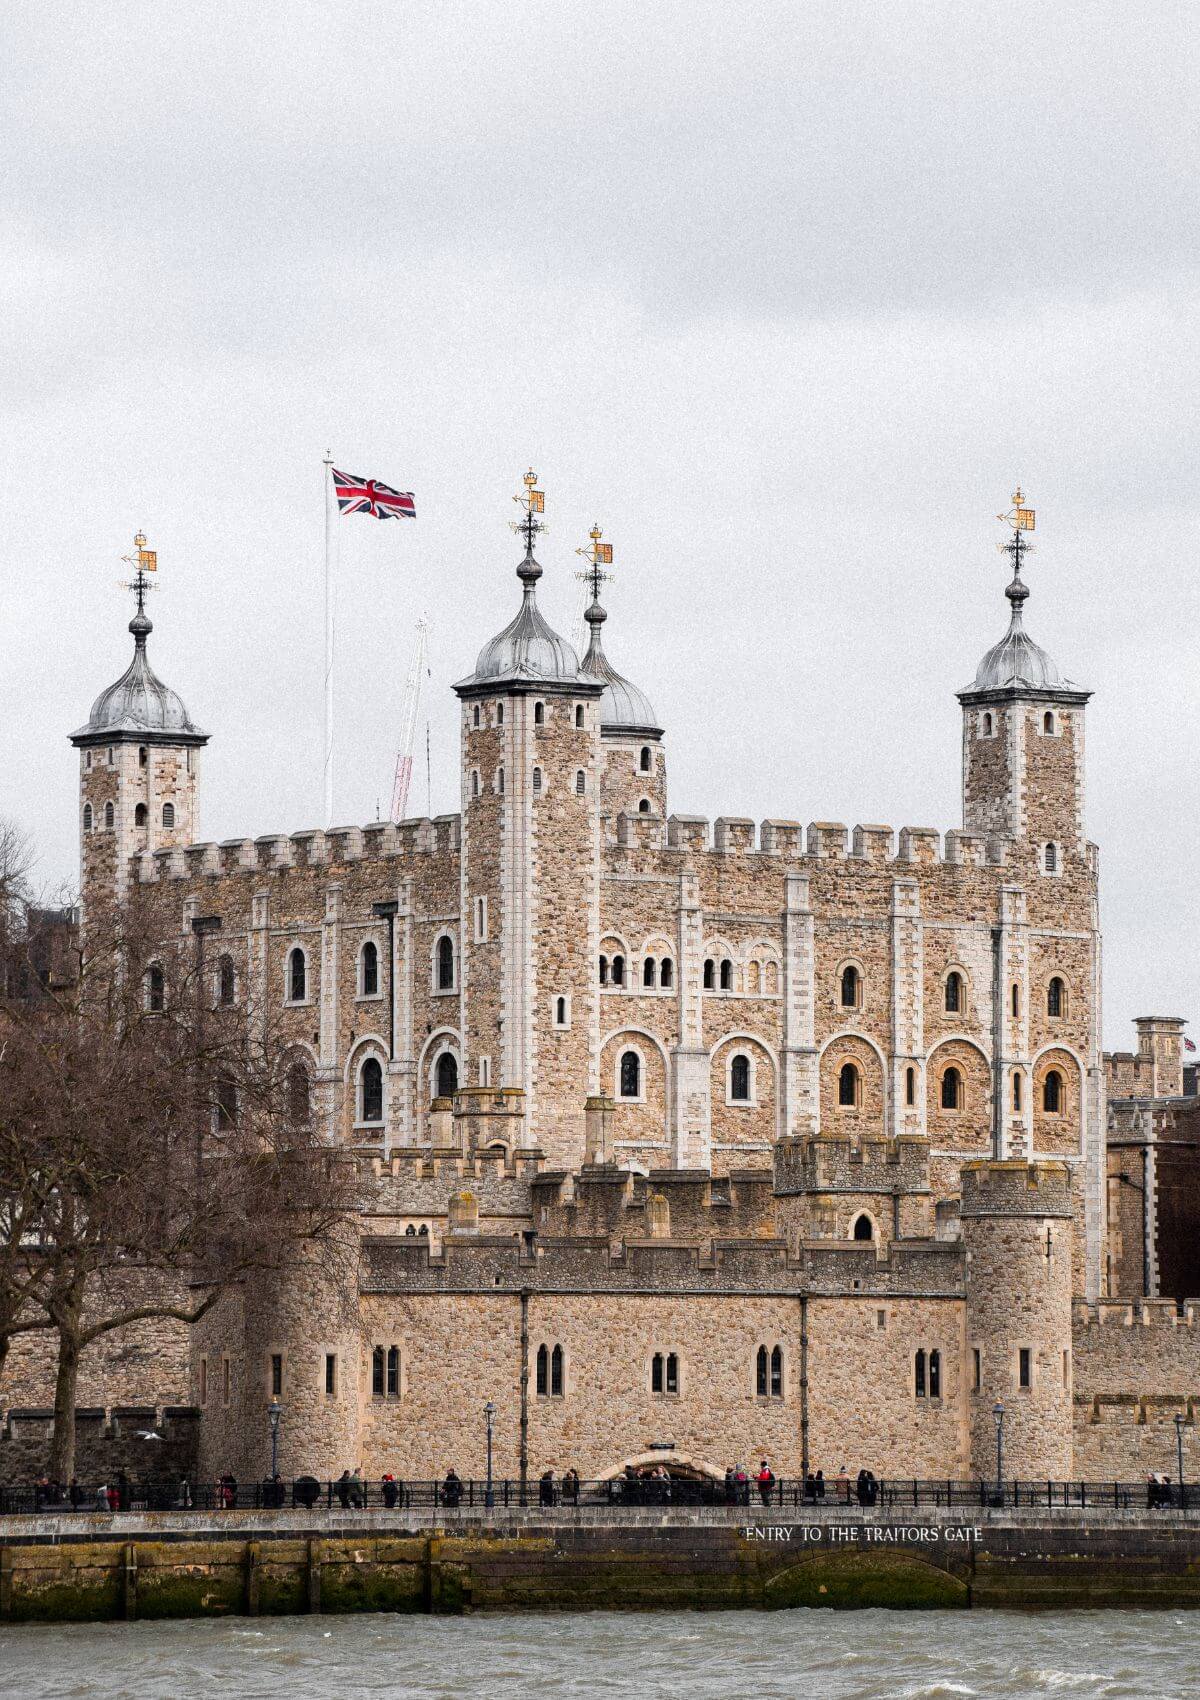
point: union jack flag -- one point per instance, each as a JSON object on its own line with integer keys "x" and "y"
{"x": 368, "y": 496}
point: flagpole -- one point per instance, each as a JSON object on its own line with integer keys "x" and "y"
{"x": 328, "y": 648}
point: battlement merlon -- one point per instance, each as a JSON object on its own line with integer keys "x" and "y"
{"x": 831, "y": 1164}
{"x": 1016, "y": 1188}
{"x": 277, "y": 852}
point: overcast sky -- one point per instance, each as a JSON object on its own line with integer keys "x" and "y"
{"x": 786, "y": 296}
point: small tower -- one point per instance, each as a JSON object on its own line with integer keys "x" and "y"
{"x": 530, "y": 897}
{"x": 1023, "y": 767}
{"x": 634, "y": 773}
{"x": 138, "y": 764}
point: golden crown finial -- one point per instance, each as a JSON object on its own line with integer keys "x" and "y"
{"x": 1019, "y": 516}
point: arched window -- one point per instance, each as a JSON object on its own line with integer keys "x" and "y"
{"x": 910, "y": 1086}
{"x": 1016, "y": 1002}
{"x": 499, "y": 714}
{"x": 863, "y": 1229}
{"x": 618, "y": 970}
{"x": 549, "y": 1375}
{"x": 739, "y": 1079}
{"x": 474, "y": 782}
{"x": 539, "y": 714}
{"x": 1056, "y": 997}
{"x": 579, "y": 714}
{"x": 140, "y": 814}
{"x": 543, "y": 1370}
{"x": 1052, "y": 1093}
{"x": 370, "y": 1091}
{"x": 768, "y": 1373}
{"x": 446, "y": 1075}
{"x": 475, "y": 715}
{"x": 297, "y": 976}
{"x": 666, "y": 972}
{"x": 226, "y": 1097}
{"x": 952, "y": 1090}
{"x": 156, "y": 989}
{"x": 368, "y": 970}
{"x": 1016, "y": 1091}
{"x": 500, "y": 781}
{"x": 710, "y": 974}
{"x": 664, "y": 1373}
{"x": 777, "y": 1372}
{"x": 851, "y": 986}
{"x": 935, "y": 1375}
{"x": 604, "y": 970}
{"x": 445, "y": 963}
{"x": 648, "y": 967}
{"x": 393, "y": 1371}
{"x": 168, "y": 815}
{"x": 87, "y": 817}
{"x": 987, "y": 725}
{"x": 299, "y": 1105}
{"x": 560, "y": 1012}
{"x": 109, "y": 817}
{"x": 726, "y": 974}
{"x": 646, "y": 761}
{"x": 631, "y": 1075}
{"x": 226, "y": 982}
{"x": 954, "y": 992}
{"x": 919, "y": 1374}
{"x": 1048, "y": 722}
{"x": 556, "y": 1373}
{"x": 580, "y": 782}
{"x": 1050, "y": 859}
{"x": 537, "y": 781}
{"x": 761, "y": 1372}
{"x": 644, "y": 806}
{"x": 848, "y": 1085}
{"x": 378, "y": 1360}
{"x": 656, "y": 1373}
{"x": 142, "y": 757}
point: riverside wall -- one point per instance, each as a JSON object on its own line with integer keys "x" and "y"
{"x": 160, "y": 1565}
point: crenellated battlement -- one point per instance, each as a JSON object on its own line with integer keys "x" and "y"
{"x": 1016, "y": 1188}
{"x": 820, "y": 841}
{"x": 1137, "y": 1313}
{"x": 836, "y": 1163}
{"x": 276, "y": 852}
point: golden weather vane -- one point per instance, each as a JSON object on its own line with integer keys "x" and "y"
{"x": 143, "y": 561}
{"x": 533, "y": 501}
{"x": 1021, "y": 519}
{"x": 598, "y": 555}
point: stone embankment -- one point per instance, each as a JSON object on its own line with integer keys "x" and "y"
{"x": 90, "y": 1567}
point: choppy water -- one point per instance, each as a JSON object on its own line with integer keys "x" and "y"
{"x": 868, "y": 1655}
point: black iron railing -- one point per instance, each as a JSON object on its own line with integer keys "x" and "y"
{"x": 893, "y": 1495}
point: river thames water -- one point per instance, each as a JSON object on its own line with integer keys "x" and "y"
{"x": 867, "y": 1655}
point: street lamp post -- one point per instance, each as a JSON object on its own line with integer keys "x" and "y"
{"x": 998, "y": 1413}
{"x": 489, "y": 1498}
{"x": 1179, "y": 1457}
{"x": 274, "y": 1411}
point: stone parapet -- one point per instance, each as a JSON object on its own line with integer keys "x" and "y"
{"x": 1016, "y": 1188}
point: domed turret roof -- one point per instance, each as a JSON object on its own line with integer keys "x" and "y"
{"x": 1017, "y": 663}
{"x": 528, "y": 649}
{"x": 623, "y": 706}
{"x": 139, "y": 704}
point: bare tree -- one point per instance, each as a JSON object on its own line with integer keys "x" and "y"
{"x": 165, "y": 1145}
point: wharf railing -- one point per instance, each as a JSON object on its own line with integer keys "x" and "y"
{"x": 895, "y": 1495}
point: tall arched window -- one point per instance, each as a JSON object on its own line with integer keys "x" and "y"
{"x": 140, "y": 814}
{"x": 297, "y": 975}
{"x": 168, "y": 815}
{"x": 539, "y": 714}
{"x": 1056, "y": 997}
{"x": 87, "y": 817}
{"x": 580, "y": 782}
{"x": 370, "y": 1091}
{"x": 446, "y": 1075}
{"x": 935, "y": 1375}
{"x": 648, "y": 968}
{"x": 664, "y": 1373}
{"x": 739, "y": 1079}
{"x": 537, "y": 781}
{"x": 646, "y": 760}
{"x": 1052, "y": 1093}
{"x": 549, "y": 1373}
{"x": 1048, "y": 722}
{"x": 644, "y": 806}
{"x": 710, "y": 974}
{"x": 631, "y": 1075}
{"x": 226, "y": 1097}
{"x": 556, "y": 1373}
{"x": 666, "y": 972}
{"x": 109, "y": 817}
{"x": 952, "y": 1090}
{"x": 761, "y": 1372}
{"x": 851, "y": 986}
{"x": 543, "y": 1370}
{"x": 445, "y": 963}
{"x": 910, "y": 1086}
{"x": 299, "y": 1106}
{"x": 848, "y": 1085}
{"x": 987, "y": 725}
{"x": 1050, "y": 859}
{"x": 777, "y": 1372}
{"x": 226, "y": 982}
{"x": 604, "y": 970}
{"x": 954, "y": 992}
{"x": 919, "y": 1385}
{"x": 863, "y": 1229}
{"x": 1016, "y": 1002}
{"x": 618, "y": 970}
{"x": 156, "y": 989}
{"x": 579, "y": 714}
{"x": 368, "y": 970}
{"x": 1016, "y": 1091}
{"x": 726, "y": 974}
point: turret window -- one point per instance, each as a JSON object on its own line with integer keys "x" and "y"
{"x": 952, "y": 1090}
{"x": 370, "y": 1092}
{"x": 562, "y": 1012}
{"x": 168, "y": 815}
{"x": 1049, "y": 725}
{"x": 481, "y": 920}
{"x": 618, "y": 970}
{"x": 499, "y": 714}
{"x": 987, "y": 726}
{"x": 644, "y": 806}
{"x": 1016, "y": 1091}
{"x": 851, "y": 987}
{"x": 646, "y": 762}
{"x": 709, "y": 979}
{"x": 537, "y": 781}
{"x": 849, "y": 1086}
{"x": 139, "y": 814}
{"x": 630, "y": 1075}
{"x": 910, "y": 1086}
{"x": 499, "y": 782}
{"x": 726, "y": 975}
{"x": 1050, "y": 859}
{"x": 666, "y": 973}
{"x": 539, "y": 714}
{"x": 1056, "y": 997}
{"x": 156, "y": 989}
{"x": 368, "y": 970}
{"x": 1052, "y": 1093}
{"x": 1016, "y": 1003}
{"x": 954, "y": 992}
{"x": 579, "y": 714}
{"x": 446, "y": 1075}
{"x": 297, "y": 976}
{"x": 649, "y": 967}
{"x": 226, "y": 982}
{"x": 740, "y": 1080}
{"x": 580, "y": 783}
{"x": 475, "y": 715}
{"x": 474, "y": 782}
{"x": 110, "y": 817}
{"x": 87, "y": 817}
{"x": 444, "y": 960}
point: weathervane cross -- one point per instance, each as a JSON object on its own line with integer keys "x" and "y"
{"x": 598, "y": 555}
{"x": 533, "y": 501}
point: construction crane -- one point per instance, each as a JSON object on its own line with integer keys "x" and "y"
{"x": 408, "y": 720}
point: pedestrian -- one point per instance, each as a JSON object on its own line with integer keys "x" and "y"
{"x": 766, "y": 1481}
{"x": 860, "y": 1487}
{"x": 102, "y": 1497}
{"x": 76, "y": 1493}
{"x": 741, "y": 1482}
{"x": 730, "y": 1486}
{"x": 358, "y": 1498}
{"x": 229, "y": 1490}
{"x": 185, "y": 1494}
{"x": 114, "y": 1498}
{"x": 452, "y": 1489}
{"x": 810, "y": 1488}
{"x": 342, "y": 1488}
{"x": 389, "y": 1491}
{"x": 570, "y": 1487}
{"x": 821, "y": 1484}
{"x": 41, "y": 1492}
{"x": 843, "y": 1485}
{"x": 546, "y": 1488}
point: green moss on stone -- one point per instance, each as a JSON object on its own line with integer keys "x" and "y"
{"x": 851, "y": 1579}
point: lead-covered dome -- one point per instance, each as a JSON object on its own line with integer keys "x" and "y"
{"x": 139, "y": 704}
{"x": 1017, "y": 662}
{"x": 623, "y": 706}
{"x": 528, "y": 647}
